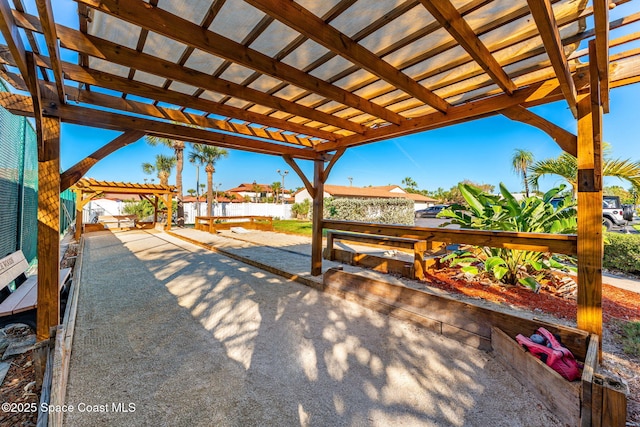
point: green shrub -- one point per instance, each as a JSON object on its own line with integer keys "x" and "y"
{"x": 622, "y": 252}
{"x": 381, "y": 211}
{"x": 301, "y": 209}
{"x": 503, "y": 212}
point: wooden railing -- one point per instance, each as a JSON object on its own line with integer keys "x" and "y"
{"x": 213, "y": 224}
{"x": 556, "y": 243}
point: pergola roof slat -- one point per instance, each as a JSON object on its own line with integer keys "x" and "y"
{"x": 291, "y": 72}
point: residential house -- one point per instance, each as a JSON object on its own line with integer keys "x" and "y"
{"x": 254, "y": 192}
{"x": 386, "y": 191}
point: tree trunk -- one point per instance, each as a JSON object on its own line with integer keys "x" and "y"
{"x": 179, "y": 166}
{"x": 209, "y": 169}
{"x": 526, "y": 183}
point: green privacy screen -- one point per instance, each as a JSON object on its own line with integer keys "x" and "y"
{"x": 19, "y": 187}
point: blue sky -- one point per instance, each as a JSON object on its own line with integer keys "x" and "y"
{"x": 480, "y": 150}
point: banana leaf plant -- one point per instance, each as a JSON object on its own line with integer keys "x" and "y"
{"x": 504, "y": 213}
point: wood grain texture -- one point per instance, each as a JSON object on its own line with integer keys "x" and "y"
{"x": 48, "y": 313}
{"x": 556, "y": 393}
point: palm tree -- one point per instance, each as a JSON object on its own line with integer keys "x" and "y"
{"x": 566, "y": 166}
{"x": 521, "y": 161}
{"x": 207, "y": 155}
{"x": 178, "y": 149}
{"x": 276, "y": 187}
{"x": 162, "y": 168}
{"x": 409, "y": 183}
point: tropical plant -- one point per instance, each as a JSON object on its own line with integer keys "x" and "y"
{"x": 410, "y": 184}
{"x": 301, "y": 210}
{"x": 257, "y": 190}
{"x": 566, "y": 166}
{"x": 503, "y": 212}
{"x": 162, "y": 168}
{"x": 276, "y": 186}
{"x": 520, "y": 162}
{"x": 178, "y": 149}
{"x": 207, "y": 155}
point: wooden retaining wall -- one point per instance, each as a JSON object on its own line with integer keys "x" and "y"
{"x": 596, "y": 400}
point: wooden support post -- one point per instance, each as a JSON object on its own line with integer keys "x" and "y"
{"x": 155, "y": 209}
{"x": 79, "y": 208}
{"x": 419, "y": 249}
{"x": 590, "y": 249}
{"x": 48, "y": 311}
{"x": 169, "y": 203}
{"x": 318, "y": 207}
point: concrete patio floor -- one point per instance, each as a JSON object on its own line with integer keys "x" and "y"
{"x": 194, "y": 338}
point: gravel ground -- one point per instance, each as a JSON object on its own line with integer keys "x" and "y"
{"x": 189, "y": 337}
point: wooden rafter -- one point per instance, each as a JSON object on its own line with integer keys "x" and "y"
{"x": 176, "y": 115}
{"x": 565, "y": 139}
{"x": 157, "y": 20}
{"x": 11, "y": 35}
{"x": 542, "y": 12}
{"x": 306, "y": 23}
{"x": 121, "y": 84}
{"x": 451, "y": 20}
{"x": 106, "y": 50}
{"x": 30, "y": 37}
{"x": 22, "y": 105}
{"x": 50, "y": 36}
{"x": 601, "y": 22}
{"x": 543, "y": 92}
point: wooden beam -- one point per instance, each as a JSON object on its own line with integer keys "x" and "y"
{"x": 556, "y": 243}
{"x": 542, "y": 13}
{"x": 33, "y": 43}
{"x": 590, "y": 246}
{"x": 452, "y": 21}
{"x": 178, "y": 116}
{"x": 77, "y": 171}
{"x": 108, "y": 51}
{"x": 48, "y": 311}
{"x": 121, "y": 84}
{"x": 301, "y": 175}
{"x": 131, "y": 58}
{"x": 164, "y": 23}
{"x": 565, "y": 139}
{"x": 327, "y": 170}
{"x": 51, "y": 38}
{"x": 19, "y": 104}
{"x": 317, "y": 218}
{"x": 31, "y": 79}
{"x": 546, "y": 91}
{"x": 311, "y": 26}
{"x": 11, "y": 35}
{"x": 601, "y": 23}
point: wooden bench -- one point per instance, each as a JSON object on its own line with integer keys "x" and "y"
{"x": 213, "y": 224}
{"x": 20, "y": 305}
{"x": 419, "y": 247}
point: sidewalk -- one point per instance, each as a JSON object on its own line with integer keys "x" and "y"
{"x": 188, "y": 337}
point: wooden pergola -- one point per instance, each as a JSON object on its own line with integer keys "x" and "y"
{"x": 87, "y": 189}
{"x": 307, "y": 80}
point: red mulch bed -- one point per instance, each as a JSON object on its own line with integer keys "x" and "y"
{"x": 616, "y": 303}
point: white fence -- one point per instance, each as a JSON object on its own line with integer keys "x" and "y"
{"x": 275, "y": 210}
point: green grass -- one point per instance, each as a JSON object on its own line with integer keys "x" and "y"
{"x": 637, "y": 227}
{"x": 292, "y": 226}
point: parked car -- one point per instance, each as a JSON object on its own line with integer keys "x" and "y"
{"x": 431, "y": 211}
{"x": 614, "y": 213}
